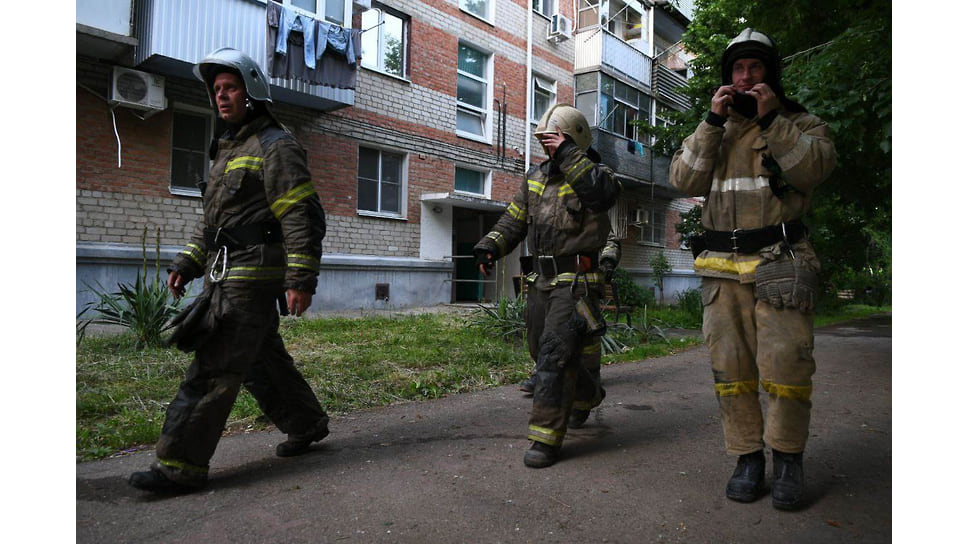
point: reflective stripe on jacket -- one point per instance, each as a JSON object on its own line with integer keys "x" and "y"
{"x": 260, "y": 176}
{"x": 726, "y": 166}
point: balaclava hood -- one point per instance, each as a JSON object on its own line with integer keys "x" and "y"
{"x": 753, "y": 44}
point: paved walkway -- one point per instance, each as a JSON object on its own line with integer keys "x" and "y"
{"x": 648, "y": 467}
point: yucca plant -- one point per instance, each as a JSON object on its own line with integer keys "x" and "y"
{"x": 145, "y": 308}
{"x": 505, "y": 320}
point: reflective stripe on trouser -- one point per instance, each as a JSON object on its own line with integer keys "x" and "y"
{"x": 246, "y": 349}
{"x": 567, "y": 376}
{"x": 753, "y": 344}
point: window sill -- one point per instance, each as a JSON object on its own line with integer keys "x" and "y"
{"x": 475, "y": 137}
{"x": 386, "y": 74}
{"x": 468, "y": 193}
{"x": 380, "y": 215}
{"x": 649, "y": 244}
{"x": 181, "y": 191}
{"x": 476, "y": 16}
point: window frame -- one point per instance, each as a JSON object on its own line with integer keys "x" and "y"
{"x": 404, "y": 168}
{"x": 641, "y": 113}
{"x": 321, "y": 15}
{"x": 552, "y": 99}
{"x": 381, "y": 42}
{"x": 209, "y": 116}
{"x": 550, "y": 5}
{"x": 485, "y": 180}
{"x": 487, "y": 17}
{"x": 655, "y": 226}
{"x": 483, "y": 112}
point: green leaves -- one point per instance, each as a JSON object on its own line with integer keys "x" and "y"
{"x": 145, "y": 307}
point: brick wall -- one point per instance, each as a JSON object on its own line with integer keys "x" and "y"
{"x": 416, "y": 116}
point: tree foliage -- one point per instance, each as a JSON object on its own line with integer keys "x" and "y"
{"x": 837, "y": 63}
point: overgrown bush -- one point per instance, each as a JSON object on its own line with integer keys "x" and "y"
{"x": 145, "y": 308}
{"x": 690, "y": 301}
{"x": 631, "y": 293}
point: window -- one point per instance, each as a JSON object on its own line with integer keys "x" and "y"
{"x": 651, "y": 223}
{"x": 380, "y": 185}
{"x": 544, "y": 7}
{"x": 618, "y": 106}
{"x": 480, "y": 8}
{"x": 385, "y": 40}
{"x": 587, "y": 14}
{"x": 543, "y": 96}
{"x": 190, "y": 136}
{"x": 473, "y": 92}
{"x": 471, "y": 181}
{"x": 333, "y": 11}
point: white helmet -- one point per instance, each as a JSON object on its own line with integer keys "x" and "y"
{"x": 255, "y": 80}
{"x": 571, "y": 122}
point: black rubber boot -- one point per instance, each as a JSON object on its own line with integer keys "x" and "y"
{"x": 747, "y": 482}
{"x": 528, "y": 385}
{"x": 299, "y": 444}
{"x": 578, "y": 418}
{"x": 540, "y": 455}
{"x": 156, "y": 482}
{"x": 787, "y": 480}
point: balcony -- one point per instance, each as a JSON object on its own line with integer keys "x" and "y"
{"x": 176, "y": 34}
{"x": 599, "y": 49}
{"x": 666, "y": 85}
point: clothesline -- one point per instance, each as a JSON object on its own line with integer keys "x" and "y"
{"x": 361, "y": 32}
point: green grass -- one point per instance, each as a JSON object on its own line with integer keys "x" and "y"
{"x": 122, "y": 391}
{"x": 846, "y": 313}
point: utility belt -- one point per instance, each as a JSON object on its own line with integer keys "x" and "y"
{"x": 550, "y": 266}
{"x": 748, "y": 241}
{"x": 241, "y": 237}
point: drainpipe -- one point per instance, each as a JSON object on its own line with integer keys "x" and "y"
{"x": 527, "y": 94}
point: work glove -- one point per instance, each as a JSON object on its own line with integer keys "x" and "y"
{"x": 607, "y": 266}
{"x": 484, "y": 257}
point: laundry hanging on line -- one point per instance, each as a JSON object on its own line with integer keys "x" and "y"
{"x": 329, "y": 52}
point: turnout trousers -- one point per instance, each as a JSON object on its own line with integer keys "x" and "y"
{"x": 568, "y": 363}
{"x": 245, "y": 349}
{"x": 754, "y": 344}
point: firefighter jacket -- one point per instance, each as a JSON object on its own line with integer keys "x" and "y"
{"x": 259, "y": 177}
{"x": 732, "y": 166}
{"x": 561, "y": 206}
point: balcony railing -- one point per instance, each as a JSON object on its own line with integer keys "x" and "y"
{"x": 596, "y": 48}
{"x": 176, "y": 34}
{"x": 666, "y": 84}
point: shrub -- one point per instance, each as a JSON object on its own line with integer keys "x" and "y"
{"x": 145, "y": 308}
{"x": 505, "y": 320}
{"x": 631, "y": 293}
{"x": 690, "y": 301}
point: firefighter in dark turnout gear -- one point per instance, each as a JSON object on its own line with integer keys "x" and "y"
{"x": 561, "y": 207}
{"x": 260, "y": 235}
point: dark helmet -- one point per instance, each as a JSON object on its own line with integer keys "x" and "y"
{"x": 753, "y": 44}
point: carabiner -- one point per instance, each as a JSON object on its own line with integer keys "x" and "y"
{"x": 223, "y": 253}
{"x": 786, "y": 242}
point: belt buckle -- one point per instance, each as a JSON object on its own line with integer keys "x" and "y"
{"x": 735, "y": 239}
{"x": 542, "y": 259}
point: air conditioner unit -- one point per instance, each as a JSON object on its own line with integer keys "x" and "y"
{"x": 641, "y": 216}
{"x": 560, "y": 28}
{"x": 138, "y": 90}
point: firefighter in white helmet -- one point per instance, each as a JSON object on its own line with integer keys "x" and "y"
{"x": 561, "y": 207}
{"x": 756, "y": 159}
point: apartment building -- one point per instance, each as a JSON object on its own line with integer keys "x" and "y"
{"x": 415, "y": 148}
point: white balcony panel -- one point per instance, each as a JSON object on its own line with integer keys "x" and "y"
{"x": 626, "y": 59}
{"x": 187, "y": 30}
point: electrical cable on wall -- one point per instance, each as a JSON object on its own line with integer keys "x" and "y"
{"x": 114, "y": 121}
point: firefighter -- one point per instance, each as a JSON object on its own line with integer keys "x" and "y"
{"x": 756, "y": 159}
{"x": 561, "y": 207}
{"x": 260, "y": 236}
